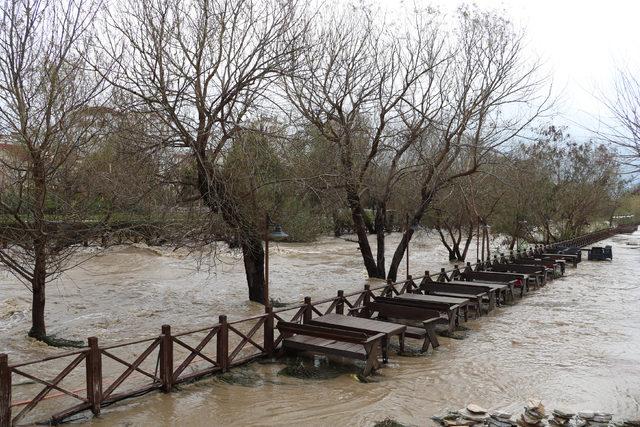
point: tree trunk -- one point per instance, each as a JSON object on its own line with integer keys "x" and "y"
{"x": 427, "y": 196}
{"x": 380, "y": 221}
{"x": 457, "y": 256}
{"x": 215, "y": 194}
{"x": 467, "y": 243}
{"x": 38, "y": 329}
{"x": 360, "y": 228}
{"x": 253, "y": 256}
{"x": 38, "y": 282}
{"x": 398, "y": 254}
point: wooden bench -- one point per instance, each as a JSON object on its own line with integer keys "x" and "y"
{"x": 554, "y": 265}
{"x": 330, "y": 341}
{"x": 386, "y": 311}
{"x": 452, "y": 312}
{"x": 538, "y": 271}
{"x": 475, "y": 292}
{"x": 573, "y": 259}
{"x": 514, "y": 280}
{"x": 492, "y": 292}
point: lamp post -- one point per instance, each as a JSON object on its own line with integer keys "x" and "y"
{"x": 276, "y": 235}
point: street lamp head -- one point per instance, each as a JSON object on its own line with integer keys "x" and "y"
{"x": 277, "y": 233}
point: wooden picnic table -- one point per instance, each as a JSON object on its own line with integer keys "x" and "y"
{"x": 369, "y": 326}
{"x": 505, "y": 277}
{"x": 332, "y": 341}
{"x": 476, "y": 298}
{"x": 464, "y": 289}
{"x": 573, "y": 259}
{"x": 498, "y": 289}
{"x": 537, "y": 271}
{"x": 476, "y": 293}
{"x": 440, "y": 302}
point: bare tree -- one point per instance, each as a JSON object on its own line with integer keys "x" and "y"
{"x": 46, "y": 120}
{"x": 624, "y": 107}
{"x": 403, "y": 106}
{"x": 490, "y": 92}
{"x": 367, "y": 90}
{"x": 202, "y": 67}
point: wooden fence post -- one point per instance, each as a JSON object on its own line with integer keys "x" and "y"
{"x": 5, "y": 391}
{"x": 222, "y": 353}
{"x": 366, "y": 300}
{"x": 268, "y": 331}
{"x": 340, "y": 303}
{"x": 409, "y": 284}
{"x": 388, "y": 290}
{"x": 94, "y": 375}
{"x": 308, "y": 312}
{"x": 166, "y": 359}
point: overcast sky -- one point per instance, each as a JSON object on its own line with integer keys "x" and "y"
{"x": 582, "y": 43}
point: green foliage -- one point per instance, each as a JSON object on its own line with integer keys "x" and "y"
{"x": 555, "y": 188}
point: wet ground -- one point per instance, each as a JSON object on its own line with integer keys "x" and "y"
{"x": 574, "y": 344}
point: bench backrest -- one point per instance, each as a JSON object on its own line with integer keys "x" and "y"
{"x": 544, "y": 261}
{"x": 416, "y": 303}
{"x": 454, "y": 288}
{"x": 289, "y": 328}
{"x": 518, "y": 268}
{"x": 402, "y": 311}
{"x": 496, "y": 276}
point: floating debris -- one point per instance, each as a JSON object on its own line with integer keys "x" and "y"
{"x": 245, "y": 377}
{"x": 453, "y": 335}
{"x": 388, "y": 422}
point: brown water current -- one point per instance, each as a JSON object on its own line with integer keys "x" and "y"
{"x": 574, "y": 344}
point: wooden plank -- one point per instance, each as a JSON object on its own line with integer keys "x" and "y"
{"x": 434, "y": 298}
{"x": 360, "y": 324}
{"x": 298, "y": 342}
{"x": 94, "y": 375}
{"x": 166, "y": 361}
{"x": 5, "y": 391}
{"x": 222, "y": 344}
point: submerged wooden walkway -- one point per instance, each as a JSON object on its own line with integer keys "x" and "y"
{"x": 355, "y": 325}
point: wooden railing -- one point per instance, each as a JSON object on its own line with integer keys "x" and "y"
{"x": 162, "y": 361}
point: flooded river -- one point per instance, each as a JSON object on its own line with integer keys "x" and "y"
{"x": 574, "y": 344}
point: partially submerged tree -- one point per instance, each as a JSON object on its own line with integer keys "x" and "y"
{"x": 202, "y": 68}
{"x": 402, "y": 107}
{"x": 368, "y": 93}
{"x": 46, "y": 121}
{"x": 491, "y": 94}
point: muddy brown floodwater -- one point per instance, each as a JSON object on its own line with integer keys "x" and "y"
{"x": 574, "y": 344}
